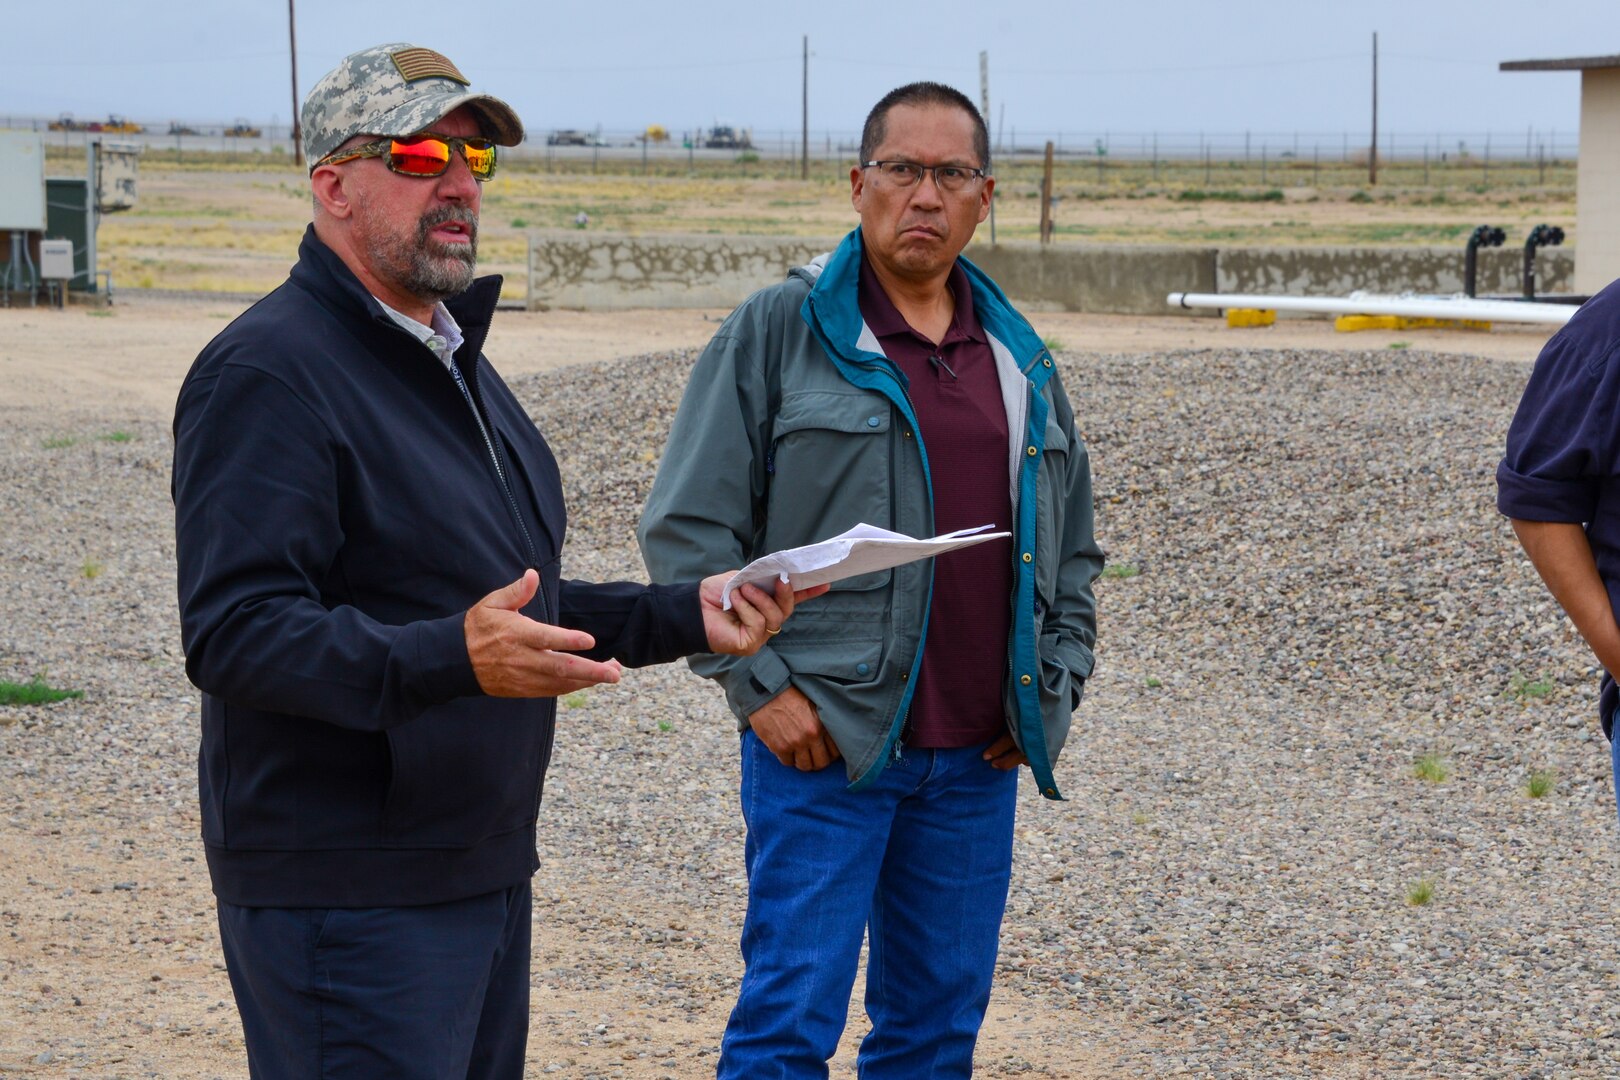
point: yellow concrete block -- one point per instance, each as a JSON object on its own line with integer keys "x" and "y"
{"x": 1349, "y": 324}
{"x": 1250, "y": 316}
{"x": 1346, "y": 324}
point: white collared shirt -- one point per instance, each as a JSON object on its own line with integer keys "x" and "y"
{"x": 443, "y": 338}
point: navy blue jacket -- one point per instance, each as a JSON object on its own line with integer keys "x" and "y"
{"x": 1563, "y": 448}
{"x": 336, "y": 514}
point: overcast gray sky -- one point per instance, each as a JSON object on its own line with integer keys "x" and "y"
{"x": 1080, "y": 66}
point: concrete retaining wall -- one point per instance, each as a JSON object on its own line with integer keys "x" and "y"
{"x": 605, "y": 271}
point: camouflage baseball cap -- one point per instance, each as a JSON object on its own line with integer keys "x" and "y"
{"x": 395, "y": 89}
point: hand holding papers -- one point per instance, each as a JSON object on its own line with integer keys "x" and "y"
{"x": 860, "y": 550}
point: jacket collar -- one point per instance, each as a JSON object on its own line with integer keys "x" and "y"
{"x": 321, "y": 273}
{"x": 833, "y": 310}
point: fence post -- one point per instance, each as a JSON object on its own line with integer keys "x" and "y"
{"x": 1046, "y": 195}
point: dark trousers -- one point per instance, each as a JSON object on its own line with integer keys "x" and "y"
{"x": 432, "y": 992}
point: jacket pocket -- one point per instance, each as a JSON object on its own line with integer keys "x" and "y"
{"x": 1051, "y": 491}
{"x": 829, "y": 470}
{"x": 465, "y": 772}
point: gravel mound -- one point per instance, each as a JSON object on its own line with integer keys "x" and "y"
{"x": 1310, "y": 591}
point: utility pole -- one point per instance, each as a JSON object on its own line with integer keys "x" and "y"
{"x": 984, "y": 115}
{"x": 804, "y": 149}
{"x": 1372, "y": 150}
{"x": 298, "y": 133}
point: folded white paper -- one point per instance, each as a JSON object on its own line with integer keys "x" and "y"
{"x": 861, "y": 550}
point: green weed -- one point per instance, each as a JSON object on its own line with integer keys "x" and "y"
{"x": 60, "y": 442}
{"x": 90, "y": 570}
{"x": 1420, "y": 892}
{"x": 118, "y": 437}
{"x": 1399, "y": 345}
{"x": 665, "y": 725}
{"x": 574, "y": 700}
{"x": 33, "y": 692}
{"x": 1523, "y": 689}
{"x": 1431, "y": 767}
{"x": 1120, "y": 570}
{"x": 1539, "y": 784}
{"x": 1153, "y": 684}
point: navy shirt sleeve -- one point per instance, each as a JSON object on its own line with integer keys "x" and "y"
{"x": 1561, "y": 447}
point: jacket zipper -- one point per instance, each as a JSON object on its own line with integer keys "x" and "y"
{"x": 474, "y": 401}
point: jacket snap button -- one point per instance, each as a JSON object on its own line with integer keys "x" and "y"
{"x": 1028, "y": 557}
{"x": 862, "y": 669}
{"x": 1031, "y": 451}
{"x": 1051, "y": 793}
{"x": 872, "y": 421}
{"x": 1025, "y": 679}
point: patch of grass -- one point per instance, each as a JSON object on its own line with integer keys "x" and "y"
{"x": 1539, "y": 783}
{"x": 33, "y": 692}
{"x": 90, "y": 570}
{"x": 1420, "y": 892}
{"x": 1361, "y": 197}
{"x": 1399, "y": 345}
{"x": 574, "y": 700}
{"x": 1201, "y": 195}
{"x": 520, "y": 223}
{"x": 59, "y": 442}
{"x": 1140, "y": 818}
{"x": 99, "y": 313}
{"x": 1523, "y": 689}
{"x": 1431, "y": 767}
{"x": 1052, "y": 344}
{"x": 665, "y": 725}
{"x": 1153, "y": 684}
{"x": 118, "y": 437}
{"x": 1120, "y": 570}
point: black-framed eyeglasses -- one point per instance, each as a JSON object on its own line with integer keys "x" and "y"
{"x": 905, "y": 174}
{"x": 424, "y": 156}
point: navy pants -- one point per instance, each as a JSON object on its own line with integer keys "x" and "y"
{"x": 432, "y": 992}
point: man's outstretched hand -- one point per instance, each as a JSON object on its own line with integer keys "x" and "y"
{"x": 755, "y": 615}
{"x": 516, "y": 656}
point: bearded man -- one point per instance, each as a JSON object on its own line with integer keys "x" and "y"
{"x": 351, "y": 482}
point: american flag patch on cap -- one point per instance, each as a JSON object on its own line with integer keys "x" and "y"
{"x": 416, "y": 64}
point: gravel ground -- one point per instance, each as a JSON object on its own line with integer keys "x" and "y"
{"x": 1322, "y": 592}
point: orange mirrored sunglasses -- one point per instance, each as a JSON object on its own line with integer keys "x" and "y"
{"x": 425, "y": 156}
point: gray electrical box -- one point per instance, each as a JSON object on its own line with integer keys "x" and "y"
{"x": 56, "y": 259}
{"x": 117, "y": 165}
{"x": 22, "y": 181}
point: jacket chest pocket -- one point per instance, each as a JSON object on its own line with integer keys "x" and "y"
{"x": 830, "y": 468}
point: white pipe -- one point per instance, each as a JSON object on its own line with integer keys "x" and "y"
{"x": 1413, "y": 307}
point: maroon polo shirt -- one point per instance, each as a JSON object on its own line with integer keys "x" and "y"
{"x": 957, "y": 398}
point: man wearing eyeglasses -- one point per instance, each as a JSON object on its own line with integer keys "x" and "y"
{"x": 889, "y": 382}
{"x": 368, "y": 530}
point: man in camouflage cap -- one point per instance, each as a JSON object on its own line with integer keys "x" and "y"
{"x": 351, "y": 480}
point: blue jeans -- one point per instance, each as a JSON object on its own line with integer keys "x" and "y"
{"x": 416, "y": 992}
{"x": 920, "y": 860}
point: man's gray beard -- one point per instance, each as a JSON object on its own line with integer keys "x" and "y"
{"x": 423, "y": 267}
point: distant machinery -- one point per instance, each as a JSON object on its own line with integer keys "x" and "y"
{"x": 726, "y": 137}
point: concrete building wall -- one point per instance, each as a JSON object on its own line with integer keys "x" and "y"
{"x": 597, "y": 271}
{"x": 1597, "y": 181}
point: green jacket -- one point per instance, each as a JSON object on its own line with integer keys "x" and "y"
{"x": 795, "y": 427}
